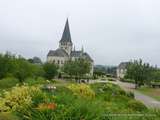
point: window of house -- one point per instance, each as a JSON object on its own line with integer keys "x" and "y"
{"x": 58, "y": 61}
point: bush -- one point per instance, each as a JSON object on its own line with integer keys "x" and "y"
{"x": 130, "y": 94}
{"x": 86, "y": 110}
{"x": 136, "y": 105}
{"x": 51, "y": 70}
{"x": 9, "y": 82}
{"x": 82, "y": 90}
{"x": 18, "y": 67}
{"x": 32, "y": 81}
{"x": 19, "y": 98}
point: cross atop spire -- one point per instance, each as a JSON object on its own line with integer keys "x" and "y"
{"x": 66, "y": 36}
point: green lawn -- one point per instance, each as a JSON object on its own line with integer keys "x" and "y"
{"x": 152, "y": 92}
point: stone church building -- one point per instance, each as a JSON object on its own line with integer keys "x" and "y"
{"x": 66, "y": 52}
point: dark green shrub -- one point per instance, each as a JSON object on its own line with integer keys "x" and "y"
{"x": 111, "y": 79}
{"x": 136, "y": 105}
{"x": 32, "y": 81}
{"x": 121, "y": 92}
{"x": 8, "y": 82}
{"x": 130, "y": 94}
{"x": 107, "y": 97}
{"x": 50, "y": 70}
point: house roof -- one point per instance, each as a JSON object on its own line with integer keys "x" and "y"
{"x": 58, "y": 53}
{"x": 66, "y": 36}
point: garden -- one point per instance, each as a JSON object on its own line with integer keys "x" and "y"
{"x": 72, "y": 101}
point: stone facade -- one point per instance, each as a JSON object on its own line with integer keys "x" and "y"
{"x": 65, "y": 51}
{"x": 122, "y": 69}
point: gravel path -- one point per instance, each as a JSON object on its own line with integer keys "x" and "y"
{"x": 147, "y": 100}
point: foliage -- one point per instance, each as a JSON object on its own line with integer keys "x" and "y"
{"x": 155, "y": 75}
{"x": 19, "y": 98}
{"x": 8, "y": 116}
{"x": 38, "y": 81}
{"x": 77, "y": 68}
{"x": 139, "y": 71}
{"x": 72, "y": 103}
{"x": 100, "y": 70}
{"x": 136, "y": 105}
{"x": 82, "y": 90}
{"x": 8, "y": 82}
{"x": 18, "y": 67}
{"x": 6, "y": 65}
{"x": 51, "y": 70}
{"x": 23, "y": 70}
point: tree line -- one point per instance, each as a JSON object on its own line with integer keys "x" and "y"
{"x": 21, "y": 68}
{"x": 142, "y": 73}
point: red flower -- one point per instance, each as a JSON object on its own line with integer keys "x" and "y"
{"x": 51, "y": 106}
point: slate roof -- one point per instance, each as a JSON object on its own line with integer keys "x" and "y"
{"x": 79, "y": 54}
{"x": 59, "y": 53}
{"x": 86, "y": 55}
{"x": 66, "y": 36}
{"x": 76, "y": 53}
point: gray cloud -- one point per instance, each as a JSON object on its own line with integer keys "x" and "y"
{"x": 110, "y": 30}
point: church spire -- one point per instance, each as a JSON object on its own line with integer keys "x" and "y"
{"x": 66, "y": 36}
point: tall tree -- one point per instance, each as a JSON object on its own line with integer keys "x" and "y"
{"x": 23, "y": 69}
{"x": 139, "y": 72}
{"x": 50, "y": 70}
{"x": 77, "y": 68}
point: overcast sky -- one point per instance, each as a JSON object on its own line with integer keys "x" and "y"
{"x": 111, "y": 31}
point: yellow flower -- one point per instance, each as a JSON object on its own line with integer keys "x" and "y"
{"x": 82, "y": 90}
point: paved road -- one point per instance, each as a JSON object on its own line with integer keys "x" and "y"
{"x": 148, "y": 101}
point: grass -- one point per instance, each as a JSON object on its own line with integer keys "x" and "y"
{"x": 152, "y": 92}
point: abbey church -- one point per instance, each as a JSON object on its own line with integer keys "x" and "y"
{"x": 66, "y": 52}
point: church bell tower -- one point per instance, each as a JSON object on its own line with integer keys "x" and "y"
{"x": 66, "y": 42}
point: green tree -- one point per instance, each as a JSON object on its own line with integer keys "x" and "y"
{"x": 155, "y": 75}
{"x": 12, "y": 66}
{"x": 99, "y": 72}
{"x": 37, "y": 70}
{"x": 139, "y": 71}
{"x": 23, "y": 69}
{"x": 78, "y": 68}
{"x": 6, "y": 64}
{"x": 50, "y": 70}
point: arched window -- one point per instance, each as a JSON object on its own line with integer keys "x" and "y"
{"x": 58, "y": 61}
